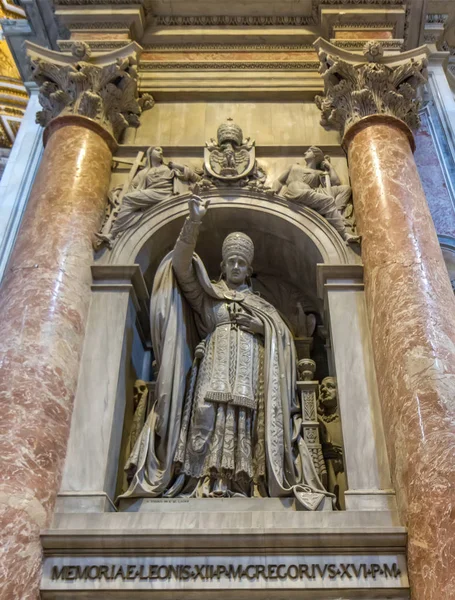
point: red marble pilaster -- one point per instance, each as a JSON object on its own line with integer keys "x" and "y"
{"x": 412, "y": 316}
{"x": 44, "y": 303}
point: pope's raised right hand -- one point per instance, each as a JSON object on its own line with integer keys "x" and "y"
{"x": 198, "y": 208}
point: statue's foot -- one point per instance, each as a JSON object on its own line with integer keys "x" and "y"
{"x": 350, "y": 238}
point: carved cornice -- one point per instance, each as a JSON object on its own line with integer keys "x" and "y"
{"x": 97, "y": 2}
{"x": 263, "y": 20}
{"x": 359, "y": 86}
{"x": 101, "y": 25}
{"x": 96, "y": 45}
{"x": 355, "y": 25}
{"x": 315, "y": 3}
{"x": 102, "y": 88}
{"x": 395, "y": 45}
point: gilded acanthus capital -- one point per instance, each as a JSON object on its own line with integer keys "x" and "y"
{"x": 102, "y": 87}
{"x": 358, "y": 86}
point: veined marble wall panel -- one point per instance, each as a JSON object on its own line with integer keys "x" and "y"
{"x": 435, "y": 183}
{"x": 269, "y": 123}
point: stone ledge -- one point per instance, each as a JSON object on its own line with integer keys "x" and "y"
{"x": 193, "y": 532}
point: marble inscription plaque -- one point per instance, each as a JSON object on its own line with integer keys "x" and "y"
{"x": 217, "y": 572}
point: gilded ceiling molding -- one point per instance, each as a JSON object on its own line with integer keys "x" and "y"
{"x": 102, "y": 88}
{"x": 358, "y": 86}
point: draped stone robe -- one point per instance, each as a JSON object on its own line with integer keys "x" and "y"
{"x": 303, "y": 186}
{"x": 227, "y": 423}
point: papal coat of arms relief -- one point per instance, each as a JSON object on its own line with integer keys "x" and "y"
{"x": 230, "y": 157}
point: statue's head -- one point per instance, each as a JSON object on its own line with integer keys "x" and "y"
{"x": 155, "y": 155}
{"x": 314, "y": 155}
{"x": 140, "y": 388}
{"x": 238, "y": 253}
{"x": 328, "y": 395}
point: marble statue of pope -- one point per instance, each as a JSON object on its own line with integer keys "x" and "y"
{"x": 226, "y": 420}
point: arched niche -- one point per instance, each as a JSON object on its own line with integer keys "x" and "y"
{"x": 290, "y": 240}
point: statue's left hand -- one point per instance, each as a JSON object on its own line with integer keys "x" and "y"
{"x": 249, "y": 323}
{"x": 176, "y": 166}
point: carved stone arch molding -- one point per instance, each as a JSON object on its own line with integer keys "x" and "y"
{"x": 290, "y": 240}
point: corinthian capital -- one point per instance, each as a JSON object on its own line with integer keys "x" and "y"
{"x": 358, "y": 86}
{"x": 102, "y": 88}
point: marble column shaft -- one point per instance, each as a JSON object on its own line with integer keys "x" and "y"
{"x": 44, "y": 302}
{"x": 412, "y": 316}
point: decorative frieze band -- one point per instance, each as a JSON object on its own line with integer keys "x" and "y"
{"x": 236, "y": 65}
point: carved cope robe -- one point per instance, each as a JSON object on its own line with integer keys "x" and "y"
{"x": 226, "y": 423}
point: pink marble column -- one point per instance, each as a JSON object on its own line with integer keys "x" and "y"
{"x": 44, "y": 303}
{"x": 412, "y": 314}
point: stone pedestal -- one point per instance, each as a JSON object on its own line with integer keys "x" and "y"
{"x": 409, "y": 298}
{"x": 248, "y": 553}
{"x": 44, "y": 302}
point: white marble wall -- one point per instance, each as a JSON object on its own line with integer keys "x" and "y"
{"x": 366, "y": 461}
{"x": 445, "y": 98}
{"x": 18, "y": 177}
{"x": 106, "y": 380}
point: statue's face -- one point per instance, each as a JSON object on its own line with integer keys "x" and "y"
{"x": 236, "y": 269}
{"x": 328, "y": 392}
{"x": 157, "y": 154}
{"x": 309, "y": 155}
{"x": 140, "y": 388}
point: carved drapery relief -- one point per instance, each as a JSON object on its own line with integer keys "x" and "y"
{"x": 149, "y": 182}
{"x": 377, "y": 85}
{"x": 103, "y": 88}
{"x": 315, "y": 184}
